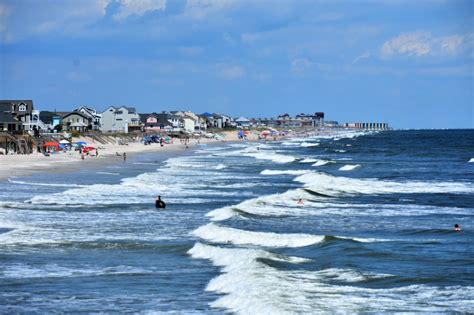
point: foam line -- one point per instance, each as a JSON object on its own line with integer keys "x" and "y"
{"x": 216, "y": 233}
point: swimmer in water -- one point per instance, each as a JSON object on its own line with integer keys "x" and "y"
{"x": 457, "y": 228}
{"x": 160, "y": 203}
{"x": 300, "y": 202}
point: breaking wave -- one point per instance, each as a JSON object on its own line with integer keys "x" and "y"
{"x": 349, "y": 167}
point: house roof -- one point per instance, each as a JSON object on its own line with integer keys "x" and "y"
{"x": 77, "y": 113}
{"x": 243, "y": 119}
{"x": 46, "y": 116}
{"x": 6, "y": 115}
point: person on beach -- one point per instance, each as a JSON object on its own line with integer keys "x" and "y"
{"x": 82, "y": 156}
{"x": 96, "y": 152}
{"x": 457, "y": 228}
{"x": 160, "y": 204}
{"x": 124, "y": 157}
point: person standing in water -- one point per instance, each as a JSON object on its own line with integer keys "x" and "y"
{"x": 124, "y": 157}
{"x": 457, "y": 228}
{"x": 160, "y": 203}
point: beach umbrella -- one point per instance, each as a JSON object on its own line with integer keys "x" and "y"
{"x": 87, "y": 149}
{"x": 64, "y": 141}
{"x": 51, "y": 144}
{"x": 82, "y": 143}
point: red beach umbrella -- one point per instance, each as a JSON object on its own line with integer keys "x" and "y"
{"x": 51, "y": 144}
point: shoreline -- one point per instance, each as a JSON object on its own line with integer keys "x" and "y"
{"x": 25, "y": 165}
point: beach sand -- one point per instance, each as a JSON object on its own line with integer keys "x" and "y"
{"x": 18, "y": 165}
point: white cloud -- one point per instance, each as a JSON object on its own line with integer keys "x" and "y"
{"x": 451, "y": 44}
{"x": 365, "y": 55}
{"x": 138, "y": 7}
{"x": 412, "y": 44}
{"x": 423, "y": 43}
{"x": 230, "y": 72}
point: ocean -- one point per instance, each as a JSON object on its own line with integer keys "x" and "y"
{"x": 373, "y": 232}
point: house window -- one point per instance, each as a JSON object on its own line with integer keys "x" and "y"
{"x": 22, "y": 107}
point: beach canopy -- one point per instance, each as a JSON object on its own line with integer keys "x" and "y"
{"x": 87, "y": 149}
{"x": 51, "y": 144}
{"x": 64, "y": 141}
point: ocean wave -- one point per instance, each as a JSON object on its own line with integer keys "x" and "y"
{"x": 471, "y": 160}
{"x": 249, "y": 285}
{"x": 216, "y": 233}
{"x": 333, "y": 185}
{"x": 25, "y": 271}
{"x": 322, "y": 162}
{"x": 349, "y": 167}
{"x": 285, "y": 204}
{"x": 308, "y": 160}
{"x": 284, "y": 172}
{"x": 107, "y": 173}
{"x": 308, "y": 145}
{"x": 274, "y": 157}
{"x": 220, "y": 167}
{"x": 19, "y": 182}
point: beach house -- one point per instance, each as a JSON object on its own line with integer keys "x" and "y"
{"x": 95, "y": 118}
{"x": 120, "y": 119}
{"x": 8, "y": 122}
{"x": 150, "y": 122}
{"x": 243, "y": 122}
{"x": 21, "y": 111}
{"x": 76, "y": 121}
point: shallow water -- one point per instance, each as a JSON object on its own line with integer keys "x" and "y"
{"x": 374, "y": 233}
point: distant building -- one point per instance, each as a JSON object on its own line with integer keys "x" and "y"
{"x": 95, "y": 117}
{"x": 8, "y": 121}
{"x": 368, "y": 125}
{"x": 14, "y": 111}
{"x": 50, "y": 119}
{"x": 120, "y": 119}
{"x": 76, "y": 121}
{"x": 243, "y": 122}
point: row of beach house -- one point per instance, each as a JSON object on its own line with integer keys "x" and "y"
{"x": 19, "y": 116}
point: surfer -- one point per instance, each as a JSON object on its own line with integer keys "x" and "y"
{"x": 300, "y": 202}
{"x": 160, "y": 203}
{"x": 457, "y": 228}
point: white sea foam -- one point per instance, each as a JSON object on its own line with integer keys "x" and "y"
{"x": 307, "y": 144}
{"x": 268, "y": 155}
{"x": 284, "y": 204}
{"x": 108, "y": 173}
{"x": 308, "y": 160}
{"x": 22, "y": 271}
{"x": 216, "y": 233}
{"x": 322, "y": 162}
{"x": 283, "y": 172}
{"x": 471, "y": 160}
{"x": 332, "y": 185}
{"x": 349, "y": 167}
{"x": 19, "y": 182}
{"x": 249, "y": 286}
{"x": 220, "y": 167}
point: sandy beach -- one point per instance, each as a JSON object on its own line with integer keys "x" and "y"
{"x": 17, "y": 165}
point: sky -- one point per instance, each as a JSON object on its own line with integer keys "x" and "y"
{"x": 405, "y": 62}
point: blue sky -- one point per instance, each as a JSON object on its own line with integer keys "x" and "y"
{"x": 408, "y": 63}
